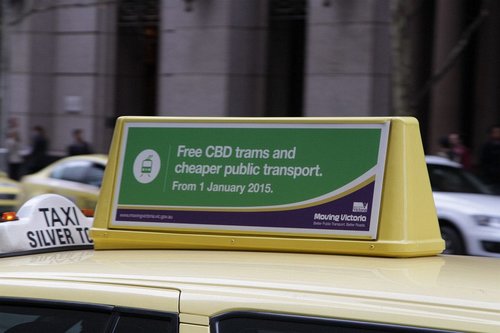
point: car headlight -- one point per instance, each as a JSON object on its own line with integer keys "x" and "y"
{"x": 487, "y": 221}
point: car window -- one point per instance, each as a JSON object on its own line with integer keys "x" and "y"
{"x": 134, "y": 324}
{"x": 275, "y": 323}
{"x": 85, "y": 172}
{"x": 27, "y": 319}
{"x": 450, "y": 179}
{"x": 94, "y": 174}
{"x": 75, "y": 171}
{"x": 35, "y": 316}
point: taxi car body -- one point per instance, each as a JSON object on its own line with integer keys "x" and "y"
{"x": 158, "y": 266}
{"x": 235, "y": 291}
{"x": 468, "y": 211}
{"x": 9, "y": 193}
{"x": 78, "y": 178}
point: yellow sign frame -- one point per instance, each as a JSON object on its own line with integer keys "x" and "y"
{"x": 408, "y": 225}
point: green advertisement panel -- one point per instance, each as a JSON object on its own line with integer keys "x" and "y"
{"x": 247, "y": 168}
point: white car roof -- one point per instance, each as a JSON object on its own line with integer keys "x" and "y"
{"x": 432, "y": 159}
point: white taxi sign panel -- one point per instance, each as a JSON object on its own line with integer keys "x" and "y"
{"x": 281, "y": 184}
{"x": 44, "y": 223}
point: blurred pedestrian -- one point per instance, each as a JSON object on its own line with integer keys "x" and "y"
{"x": 14, "y": 157}
{"x": 490, "y": 157}
{"x": 37, "y": 159}
{"x": 459, "y": 152}
{"x": 79, "y": 145}
{"x": 445, "y": 148}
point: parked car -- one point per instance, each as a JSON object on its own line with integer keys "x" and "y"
{"x": 467, "y": 209}
{"x": 9, "y": 193}
{"x": 77, "y": 178}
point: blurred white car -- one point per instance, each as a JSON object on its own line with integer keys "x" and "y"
{"x": 468, "y": 211}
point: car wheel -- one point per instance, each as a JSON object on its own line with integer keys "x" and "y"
{"x": 453, "y": 240}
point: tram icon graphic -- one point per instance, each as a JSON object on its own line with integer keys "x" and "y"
{"x": 147, "y": 165}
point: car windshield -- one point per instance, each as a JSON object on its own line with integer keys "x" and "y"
{"x": 451, "y": 179}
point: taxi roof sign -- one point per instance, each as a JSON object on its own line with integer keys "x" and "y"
{"x": 324, "y": 185}
{"x": 45, "y": 223}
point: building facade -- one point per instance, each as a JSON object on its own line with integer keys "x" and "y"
{"x": 81, "y": 63}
